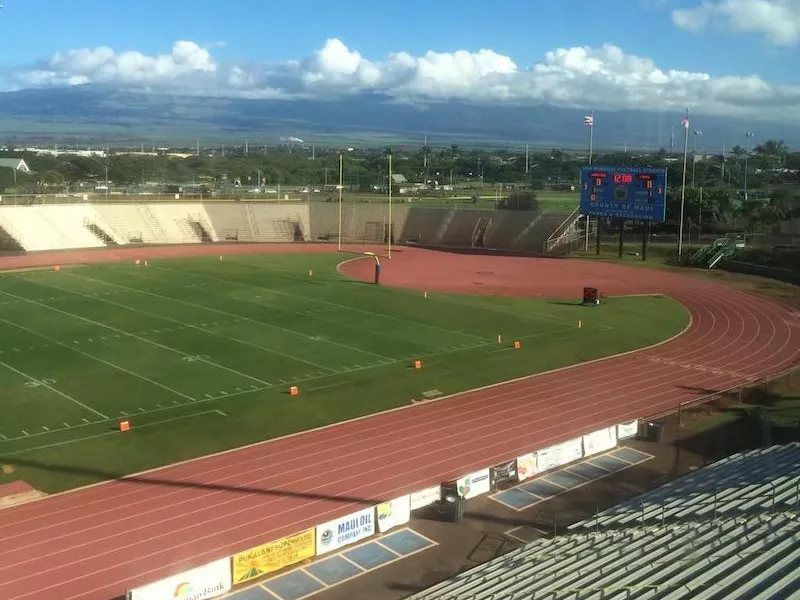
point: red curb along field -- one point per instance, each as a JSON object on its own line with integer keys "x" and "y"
{"x": 94, "y": 543}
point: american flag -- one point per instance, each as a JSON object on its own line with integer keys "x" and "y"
{"x": 588, "y": 120}
{"x": 685, "y": 122}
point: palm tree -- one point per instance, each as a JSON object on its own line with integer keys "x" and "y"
{"x": 772, "y": 153}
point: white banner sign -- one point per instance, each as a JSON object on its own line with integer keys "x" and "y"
{"x": 474, "y": 484}
{"x": 209, "y": 581}
{"x": 347, "y": 530}
{"x": 527, "y": 466}
{"x": 394, "y": 513}
{"x": 560, "y": 454}
{"x": 599, "y": 441}
{"x": 627, "y": 430}
{"x": 426, "y": 497}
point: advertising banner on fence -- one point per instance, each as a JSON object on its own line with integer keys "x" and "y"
{"x": 394, "y": 513}
{"x": 347, "y": 530}
{"x": 426, "y": 497}
{"x": 209, "y": 581}
{"x": 599, "y": 441}
{"x": 274, "y": 556}
{"x": 560, "y": 454}
{"x": 527, "y": 466}
{"x": 474, "y": 484}
{"x": 503, "y": 473}
{"x": 627, "y": 430}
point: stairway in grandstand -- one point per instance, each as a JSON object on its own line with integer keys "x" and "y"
{"x": 9, "y": 243}
{"x": 714, "y": 254}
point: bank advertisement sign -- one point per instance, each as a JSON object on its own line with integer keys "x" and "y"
{"x": 209, "y": 581}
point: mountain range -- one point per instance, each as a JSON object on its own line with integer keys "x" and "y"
{"x": 94, "y": 114}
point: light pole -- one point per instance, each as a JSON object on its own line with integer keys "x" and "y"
{"x": 685, "y": 124}
{"x": 341, "y": 187}
{"x": 747, "y": 137}
{"x": 390, "y": 204}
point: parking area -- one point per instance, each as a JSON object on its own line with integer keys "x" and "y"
{"x": 560, "y": 481}
{"x": 338, "y": 568}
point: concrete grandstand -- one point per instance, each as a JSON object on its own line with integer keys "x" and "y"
{"x": 729, "y": 530}
{"x": 38, "y": 227}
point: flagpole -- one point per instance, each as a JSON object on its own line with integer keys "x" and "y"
{"x": 341, "y": 187}
{"x": 588, "y": 218}
{"x": 683, "y": 184}
{"x": 390, "y": 204}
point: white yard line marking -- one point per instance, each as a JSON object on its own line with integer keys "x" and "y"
{"x": 202, "y": 327}
{"x": 127, "y": 333}
{"x": 298, "y": 333}
{"x": 328, "y": 302}
{"x": 52, "y": 389}
{"x": 98, "y": 359}
{"x": 255, "y": 389}
{"x": 107, "y": 433}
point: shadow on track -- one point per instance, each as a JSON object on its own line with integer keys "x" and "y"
{"x": 156, "y": 481}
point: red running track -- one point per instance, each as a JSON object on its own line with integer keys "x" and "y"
{"x": 96, "y": 542}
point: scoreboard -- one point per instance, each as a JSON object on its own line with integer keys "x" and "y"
{"x": 630, "y": 193}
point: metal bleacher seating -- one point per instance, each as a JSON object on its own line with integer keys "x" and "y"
{"x": 743, "y": 545}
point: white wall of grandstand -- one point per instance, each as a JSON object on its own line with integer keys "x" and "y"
{"x": 61, "y": 226}
{"x": 220, "y": 577}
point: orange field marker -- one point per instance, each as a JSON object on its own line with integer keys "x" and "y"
{"x": 124, "y": 426}
{"x": 517, "y": 345}
{"x": 57, "y": 268}
{"x": 137, "y": 261}
{"x": 417, "y": 364}
{"x": 293, "y": 391}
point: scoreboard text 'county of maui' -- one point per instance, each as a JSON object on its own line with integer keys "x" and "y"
{"x": 630, "y": 193}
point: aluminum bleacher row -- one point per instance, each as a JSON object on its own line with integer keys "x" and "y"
{"x": 58, "y": 227}
{"x": 744, "y": 545}
{"x": 745, "y": 484}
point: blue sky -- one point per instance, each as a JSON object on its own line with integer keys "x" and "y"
{"x": 264, "y": 30}
{"x": 727, "y": 38}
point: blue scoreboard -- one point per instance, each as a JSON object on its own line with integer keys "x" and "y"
{"x": 629, "y": 193}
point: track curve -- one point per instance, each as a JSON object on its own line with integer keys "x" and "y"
{"x": 95, "y": 542}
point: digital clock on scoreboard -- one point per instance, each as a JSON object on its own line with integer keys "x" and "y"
{"x": 637, "y": 194}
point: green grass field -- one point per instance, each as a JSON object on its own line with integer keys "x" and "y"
{"x": 199, "y": 354}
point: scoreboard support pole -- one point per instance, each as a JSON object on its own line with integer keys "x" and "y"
{"x": 621, "y": 238}
{"x": 597, "y": 238}
{"x": 645, "y": 238}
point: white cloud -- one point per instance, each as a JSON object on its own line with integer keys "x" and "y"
{"x": 104, "y": 65}
{"x": 602, "y": 78}
{"x": 778, "y": 20}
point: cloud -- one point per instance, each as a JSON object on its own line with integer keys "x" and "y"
{"x": 601, "y": 78}
{"x": 778, "y": 20}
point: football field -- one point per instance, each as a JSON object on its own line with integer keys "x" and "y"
{"x": 199, "y": 354}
